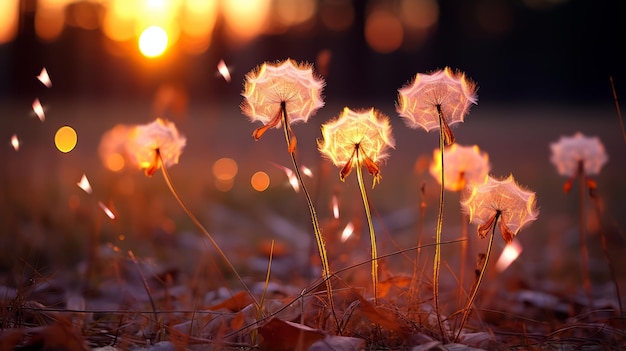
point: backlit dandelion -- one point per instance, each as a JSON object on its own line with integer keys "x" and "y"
{"x": 159, "y": 139}
{"x": 431, "y": 101}
{"x": 580, "y": 156}
{"x": 503, "y": 200}
{"x": 355, "y": 139}
{"x": 568, "y": 152}
{"x": 495, "y": 202}
{"x": 158, "y": 145}
{"x": 464, "y": 164}
{"x": 278, "y": 95}
{"x": 281, "y": 94}
{"x": 437, "y": 100}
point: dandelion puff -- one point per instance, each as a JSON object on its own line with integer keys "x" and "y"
{"x": 355, "y": 139}
{"x": 160, "y": 135}
{"x": 464, "y": 165}
{"x": 568, "y": 152}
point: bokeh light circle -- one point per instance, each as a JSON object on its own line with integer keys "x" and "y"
{"x": 65, "y": 139}
{"x": 153, "y": 41}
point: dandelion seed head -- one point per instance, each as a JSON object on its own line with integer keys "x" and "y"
{"x": 463, "y": 165}
{"x": 450, "y": 91}
{"x": 145, "y": 140}
{"x": 369, "y": 130}
{"x": 568, "y": 152}
{"x": 515, "y": 205}
{"x": 270, "y": 85}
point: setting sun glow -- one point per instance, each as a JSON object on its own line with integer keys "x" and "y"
{"x": 153, "y": 41}
{"x": 65, "y": 139}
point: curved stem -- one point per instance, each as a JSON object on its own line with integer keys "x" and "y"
{"x": 199, "y": 225}
{"x": 316, "y": 227}
{"x": 359, "y": 174}
{"x": 437, "y": 260}
{"x": 470, "y": 302}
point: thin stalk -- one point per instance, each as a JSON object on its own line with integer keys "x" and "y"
{"x": 464, "y": 243}
{"x": 368, "y": 215}
{"x": 437, "y": 259}
{"x": 470, "y": 302}
{"x": 619, "y": 112}
{"x": 607, "y": 257}
{"x": 316, "y": 227}
{"x": 199, "y": 225}
{"x": 584, "y": 252}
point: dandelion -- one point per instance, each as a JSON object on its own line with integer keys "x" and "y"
{"x": 158, "y": 145}
{"x": 354, "y": 139}
{"x": 155, "y": 144}
{"x": 580, "y": 156}
{"x": 431, "y": 101}
{"x": 496, "y": 202}
{"x": 281, "y": 94}
{"x": 278, "y": 95}
{"x": 464, "y": 164}
{"x": 437, "y": 100}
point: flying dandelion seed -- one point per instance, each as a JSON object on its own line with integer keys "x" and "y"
{"x": 38, "y": 109}
{"x": 84, "y": 184}
{"x": 347, "y": 232}
{"x": 510, "y": 253}
{"x": 291, "y": 177}
{"x": 15, "y": 142}
{"x": 307, "y": 171}
{"x": 223, "y": 70}
{"x": 44, "y": 78}
{"x": 335, "y": 205}
{"x": 106, "y": 210}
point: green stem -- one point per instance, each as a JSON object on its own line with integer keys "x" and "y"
{"x": 199, "y": 225}
{"x": 316, "y": 227}
{"x": 437, "y": 260}
{"x": 359, "y": 174}
{"x": 470, "y": 302}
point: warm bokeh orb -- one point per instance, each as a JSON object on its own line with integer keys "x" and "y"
{"x": 260, "y": 181}
{"x": 153, "y": 41}
{"x": 65, "y": 139}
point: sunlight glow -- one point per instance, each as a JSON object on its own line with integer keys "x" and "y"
{"x": 65, "y": 139}
{"x": 260, "y": 181}
{"x": 245, "y": 19}
{"x": 153, "y": 41}
{"x": 9, "y": 18}
{"x": 510, "y": 253}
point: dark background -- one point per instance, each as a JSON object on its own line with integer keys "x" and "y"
{"x": 561, "y": 53}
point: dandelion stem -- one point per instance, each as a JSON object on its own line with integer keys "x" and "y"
{"x": 359, "y": 174}
{"x": 437, "y": 260}
{"x": 316, "y": 227}
{"x": 584, "y": 252}
{"x": 619, "y": 112}
{"x": 195, "y": 221}
{"x": 470, "y": 301}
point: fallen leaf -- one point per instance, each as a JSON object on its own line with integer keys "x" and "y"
{"x": 378, "y": 315}
{"x": 397, "y": 281}
{"x": 235, "y": 303}
{"x": 283, "y": 335}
